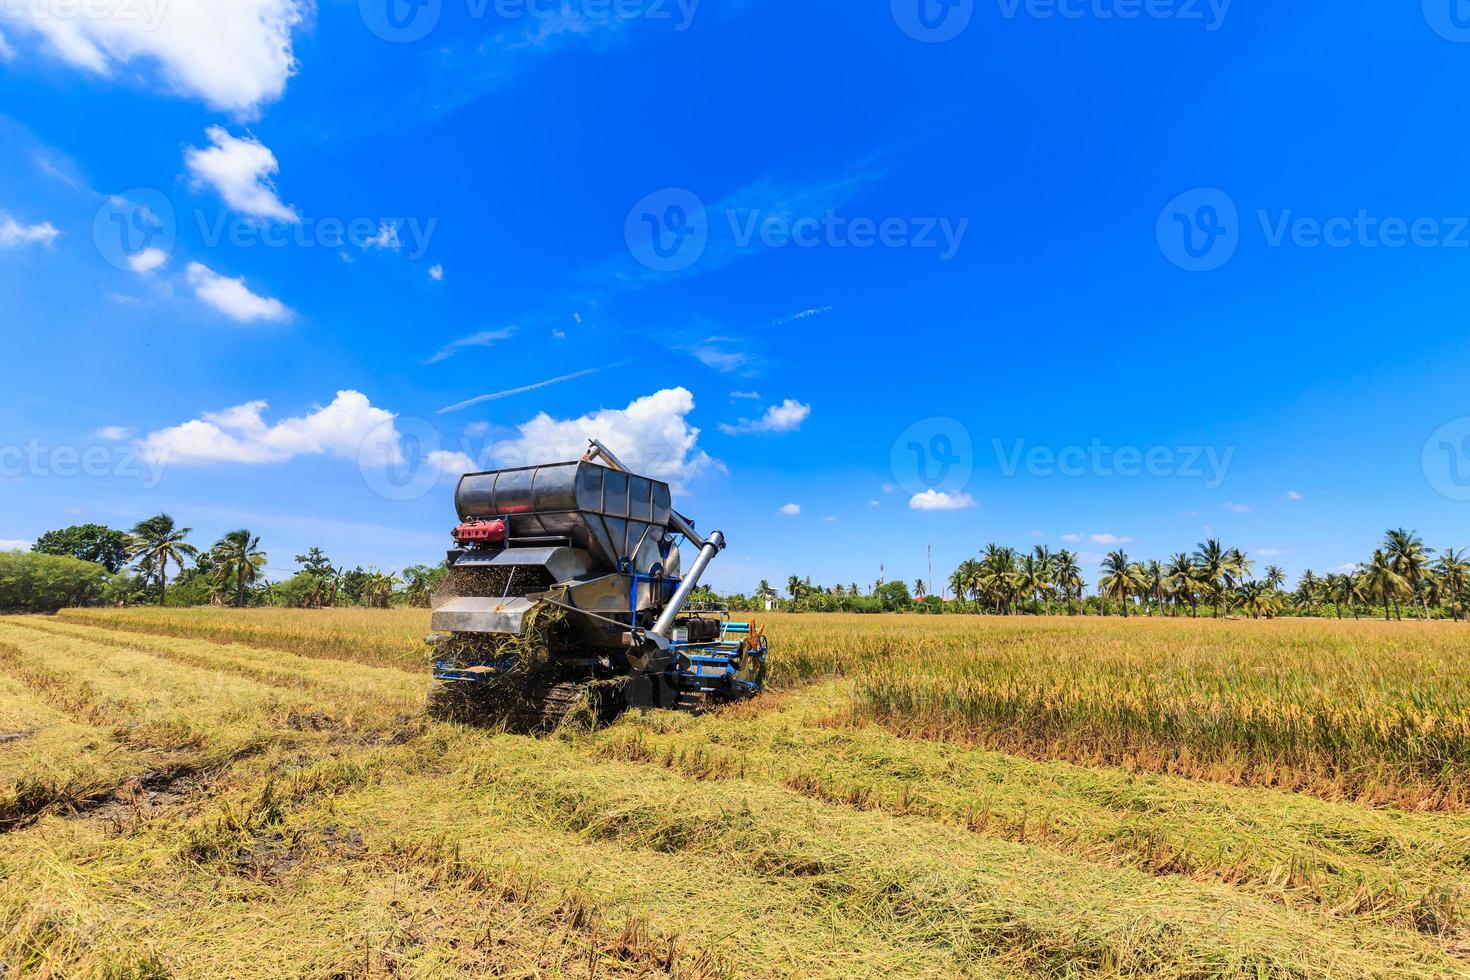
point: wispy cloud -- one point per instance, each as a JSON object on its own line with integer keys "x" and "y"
{"x": 1109, "y": 539}
{"x": 484, "y": 338}
{"x": 791, "y": 510}
{"x": 1236, "y": 508}
{"x": 496, "y": 395}
{"x": 803, "y": 315}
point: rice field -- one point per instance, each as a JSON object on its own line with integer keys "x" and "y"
{"x": 213, "y": 793}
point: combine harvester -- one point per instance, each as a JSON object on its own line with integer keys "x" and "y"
{"x": 564, "y": 601}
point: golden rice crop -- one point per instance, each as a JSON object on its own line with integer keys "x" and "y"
{"x": 339, "y": 833}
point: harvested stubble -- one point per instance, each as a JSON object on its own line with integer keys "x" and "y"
{"x": 787, "y": 837}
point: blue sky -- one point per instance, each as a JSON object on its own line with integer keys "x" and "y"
{"x": 859, "y": 279}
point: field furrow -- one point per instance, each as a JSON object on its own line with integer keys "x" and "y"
{"x": 1407, "y": 869}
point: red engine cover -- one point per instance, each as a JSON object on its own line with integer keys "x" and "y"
{"x": 493, "y": 531}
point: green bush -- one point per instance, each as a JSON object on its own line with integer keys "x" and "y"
{"x": 46, "y": 583}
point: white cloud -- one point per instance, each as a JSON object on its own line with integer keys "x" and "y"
{"x": 451, "y": 463}
{"x": 713, "y": 356}
{"x": 874, "y": 503}
{"x": 6, "y": 51}
{"x": 1294, "y": 495}
{"x": 484, "y": 338}
{"x": 241, "y": 172}
{"x": 1037, "y": 534}
{"x": 115, "y": 433}
{"x": 387, "y": 237}
{"x": 753, "y": 396}
{"x": 1109, "y": 539}
{"x": 652, "y": 436}
{"x": 889, "y": 488}
{"x": 1270, "y": 552}
{"x": 785, "y": 417}
{"x": 436, "y": 273}
{"x": 1349, "y": 569}
{"x": 233, "y": 54}
{"x": 938, "y": 500}
{"x": 14, "y": 234}
{"x": 791, "y": 510}
{"x": 241, "y": 435}
{"x": 148, "y": 260}
{"x": 1072, "y": 538}
{"x": 829, "y": 520}
{"x": 13, "y": 544}
{"x": 1235, "y": 508}
{"x": 232, "y": 297}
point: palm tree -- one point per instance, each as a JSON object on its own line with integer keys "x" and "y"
{"x": 795, "y": 587}
{"x": 1454, "y": 571}
{"x": 157, "y": 541}
{"x": 1383, "y": 582}
{"x": 239, "y": 560}
{"x": 1033, "y": 577}
{"x": 919, "y": 591}
{"x": 1068, "y": 575}
{"x": 1118, "y": 581}
{"x": 1410, "y": 559}
{"x": 1151, "y": 583}
{"x": 1309, "y": 590}
{"x": 1212, "y": 562}
{"x": 1275, "y": 577}
{"x": 1184, "y": 581}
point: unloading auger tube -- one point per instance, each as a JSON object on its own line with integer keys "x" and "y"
{"x": 564, "y": 599}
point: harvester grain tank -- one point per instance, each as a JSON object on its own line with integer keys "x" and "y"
{"x": 565, "y": 598}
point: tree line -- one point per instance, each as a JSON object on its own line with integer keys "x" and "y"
{"x": 155, "y": 562}
{"x": 1401, "y": 574}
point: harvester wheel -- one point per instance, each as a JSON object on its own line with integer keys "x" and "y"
{"x": 583, "y": 705}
